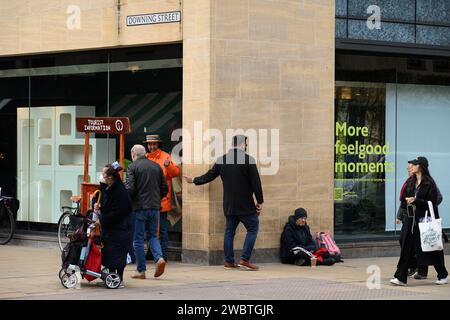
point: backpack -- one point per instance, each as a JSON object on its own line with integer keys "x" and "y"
{"x": 324, "y": 240}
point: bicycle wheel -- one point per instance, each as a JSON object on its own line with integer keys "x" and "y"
{"x": 63, "y": 229}
{"x": 7, "y": 226}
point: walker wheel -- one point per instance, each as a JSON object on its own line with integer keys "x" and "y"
{"x": 62, "y": 272}
{"x": 69, "y": 281}
{"x": 112, "y": 280}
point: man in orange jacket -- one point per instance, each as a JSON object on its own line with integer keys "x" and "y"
{"x": 170, "y": 170}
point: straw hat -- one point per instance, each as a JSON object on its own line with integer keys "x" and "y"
{"x": 152, "y": 138}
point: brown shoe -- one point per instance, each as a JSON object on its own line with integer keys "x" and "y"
{"x": 247, "y": 265}
{"x": 230, "y": 266}
{"x": 138, "y": 275}
{"x": 160, "y": 265}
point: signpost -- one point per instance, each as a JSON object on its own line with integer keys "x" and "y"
{"x": 112, "y": 125}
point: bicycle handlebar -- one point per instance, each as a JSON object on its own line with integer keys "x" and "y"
{"x": 69, "y": 208}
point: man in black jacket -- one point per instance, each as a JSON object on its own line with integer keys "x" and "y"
{"x": 146, "y": 185}
{"x": 240, "y": 180}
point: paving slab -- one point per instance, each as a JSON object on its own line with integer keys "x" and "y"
{"x": 32, "y": 273}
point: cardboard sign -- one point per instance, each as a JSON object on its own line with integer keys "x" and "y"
{"x": 104, "y": 125}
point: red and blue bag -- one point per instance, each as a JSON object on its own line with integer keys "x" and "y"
{"x": 93, "y": 262}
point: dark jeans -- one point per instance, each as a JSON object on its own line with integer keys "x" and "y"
{"x": 164, "y": 233}
{"x": 251, "y": 224}
{"x": 130, "y": 246}
{"x": 163, "y": 236}
{"x": 146, "y": 221}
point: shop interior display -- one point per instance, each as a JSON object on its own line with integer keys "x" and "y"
{"x": 50, "y": 157}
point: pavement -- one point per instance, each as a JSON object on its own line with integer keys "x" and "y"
{"x": 32, "y": 273}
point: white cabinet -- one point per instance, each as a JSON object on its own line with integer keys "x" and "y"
{"x": 50, "y": 159}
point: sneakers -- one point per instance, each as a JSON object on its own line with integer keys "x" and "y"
{"x": 247, "y": 265}
{"x": 230, "y": 266}
{"x": 442, "y": 281}
{"x": 160, "y": 266}
{"x": 419, "y": 277}
{"x": 138, "y": 275}
{"x": 397, "y": 282}
{"x": 121, "y": 285}
{"x": 412, "y": 272}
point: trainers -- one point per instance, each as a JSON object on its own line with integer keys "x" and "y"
{"x": 230, "y": 266}
{"x": 138, "y": 275}
{"x": 121, "y": 285}
{"x": 412, "y": 272}
{"x": 247, "y": 265}
{"x": 397, "y": 282}
{"x": 419, "y": 276}
{"x": 160, "y": 265}
{"x": 442, "y": 281}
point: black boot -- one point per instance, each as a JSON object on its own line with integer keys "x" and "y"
{"x": 300, "y": 262}
{"x": 328, "y": 262}
{"x": 444, "y": 236}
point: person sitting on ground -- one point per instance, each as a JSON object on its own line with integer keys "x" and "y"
{"x": 297, "y": 245}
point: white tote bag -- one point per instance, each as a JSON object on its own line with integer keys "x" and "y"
{"x": 431, "y": 231}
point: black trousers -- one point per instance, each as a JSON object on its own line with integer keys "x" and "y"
{"x": 119, "y": 271}
{"x": 422, "y": 270}
{"x": 302, "y": 259}
{"x": 411, "y": 250}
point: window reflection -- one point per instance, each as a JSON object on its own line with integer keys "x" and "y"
{"x": 389, "y": 96}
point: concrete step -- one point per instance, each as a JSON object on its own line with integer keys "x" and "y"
{"x": 365, "y": 249}
{"x": 35, "y": 239}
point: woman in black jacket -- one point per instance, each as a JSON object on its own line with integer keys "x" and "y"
{"x": 419, "y": 190}
{"x": 115, "y": 220}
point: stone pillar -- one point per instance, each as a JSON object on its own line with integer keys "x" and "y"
{"x": 197, "y": 207}
{"x": 260, "y": 64}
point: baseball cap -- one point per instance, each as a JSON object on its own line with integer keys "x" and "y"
{"x": 422, "y": 161}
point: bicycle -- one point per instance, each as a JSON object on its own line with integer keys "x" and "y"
{"x": 64, "y": 226}
{"x": 8, "y": 206}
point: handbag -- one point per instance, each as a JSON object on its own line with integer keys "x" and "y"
{"x": 431, "y": 231}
